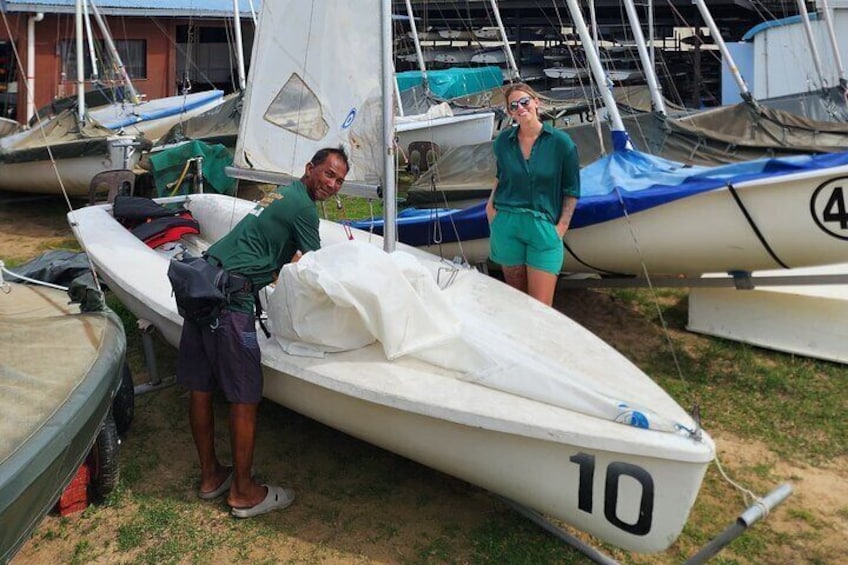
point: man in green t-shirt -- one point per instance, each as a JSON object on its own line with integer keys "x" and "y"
{"x": 281, "y": 227}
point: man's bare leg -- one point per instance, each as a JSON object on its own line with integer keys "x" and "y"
{"x": 244, "y": 492}
{"x": 202, "y": 420}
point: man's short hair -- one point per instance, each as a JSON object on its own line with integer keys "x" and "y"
{"x": 322, "y": 154}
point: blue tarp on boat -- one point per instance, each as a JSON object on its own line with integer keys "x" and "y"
{"x": 117, "y": 116}
{"x": 454, "y": 82}
{"x": 638, "y": 180}
{"x": 643, "y": 181}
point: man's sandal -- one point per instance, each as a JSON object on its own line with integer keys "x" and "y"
{"x": 222, "y": 488}
{"x": 277, "y": 498}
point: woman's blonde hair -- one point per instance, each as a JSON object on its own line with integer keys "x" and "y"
{"x": 520, "y": 87}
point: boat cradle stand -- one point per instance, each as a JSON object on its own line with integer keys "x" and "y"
{"x": 741, "y": 280}
{"x": 155, "y": 382}
{"x": 745, "y": 520}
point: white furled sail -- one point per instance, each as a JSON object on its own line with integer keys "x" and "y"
{"x": 293, "y": 103}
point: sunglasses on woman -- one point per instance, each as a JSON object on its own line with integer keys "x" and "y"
{"x": 524, "y": 101}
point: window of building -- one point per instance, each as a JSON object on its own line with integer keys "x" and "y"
{"x": 133, "y": 53}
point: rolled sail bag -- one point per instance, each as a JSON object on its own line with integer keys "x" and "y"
{"x": 200, "y": 289}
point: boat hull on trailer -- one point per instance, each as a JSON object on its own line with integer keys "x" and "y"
{"x": 757, "y": 225}
{"x": 446, "y": 131}
{"x": 59, "y": 371}
{"x": 630, "y": 486}
{"x": 39, "y": 176}
{"x": 153, "y": 118}
{"x": 796, "y": 219}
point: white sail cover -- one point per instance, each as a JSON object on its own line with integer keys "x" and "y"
{"x": 302, "y": 52}
{"x": 330, "y": 301}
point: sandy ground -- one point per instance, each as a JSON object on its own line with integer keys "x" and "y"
{"x": 418, "y": 504}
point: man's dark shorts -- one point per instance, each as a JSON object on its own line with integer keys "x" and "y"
{"x": 227, "y": 358}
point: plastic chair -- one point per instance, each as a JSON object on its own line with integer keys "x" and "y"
{"x": 118, "y": 182}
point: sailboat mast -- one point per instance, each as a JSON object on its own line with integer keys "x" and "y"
{"x": 513, "y": 67}
{"x": 417, "y": 42}
{"x": 647, "y": 62}
{"x": 837, "y": 56}
{"x": 725, "y": 53}
{"x": 814, "y": 50}
{"x": 389, "y": 188}
{"x": 239, "y": 45}
{"x": 91, "y": 52}
{"x": 619, "y": 134}
{"x": 113, "y": 51}
{"x": 80, "y": 63}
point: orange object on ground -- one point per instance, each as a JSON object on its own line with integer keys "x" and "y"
{"x": 75, "y": 496}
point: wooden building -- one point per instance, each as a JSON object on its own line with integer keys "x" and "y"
{"x": 167, "y": 47}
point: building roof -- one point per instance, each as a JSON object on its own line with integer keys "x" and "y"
{"x": 193, "y": 8}
{"x": 771, "y": 24}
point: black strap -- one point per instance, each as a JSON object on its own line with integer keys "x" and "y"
{"x": 240, "y": 283}
{"x": 754, "y": 227}
{"x": 258, "y": 304}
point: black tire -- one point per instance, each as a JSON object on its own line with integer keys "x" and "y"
{"x": 123, "y": 406}
{"x": 103, "y": 460}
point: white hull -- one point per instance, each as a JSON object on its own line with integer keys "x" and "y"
{"x": 566, "y": 73}
{"x": 448, "y": 131}
{"x": 801, "y": 319}
{"x": 489, "y": 57}
{"x": 39, "y": 177}
{"x": 624, "y": 75}
{"x": 556, "y": 460}
{"x": 708, "y": 233}
{"x": 455, "y": 57}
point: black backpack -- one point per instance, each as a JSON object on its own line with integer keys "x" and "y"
{"x": 200, "y": 288}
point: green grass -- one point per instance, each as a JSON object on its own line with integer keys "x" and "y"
{"x": 794, "y": 404}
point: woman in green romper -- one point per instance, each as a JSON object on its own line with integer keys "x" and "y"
{"x": 530, "y": 208}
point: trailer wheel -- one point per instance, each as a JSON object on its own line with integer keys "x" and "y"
{"x": 103, "y": 459}
{"x": 123, "y": 406}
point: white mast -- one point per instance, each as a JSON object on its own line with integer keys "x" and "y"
{"x": 814, "y": 50}
{"x": 616, "y": 125}
{"x": 91, "y": 51}
{"x": 725, "y": 54}
{"x": 239, "y": 45}
{"x": 389, "y": 189}
{"x": 417, "y": 42}
{"x": 513, "y": 67}
{"x": 80, "y": 63}
{"x": 113, "y": 51}
{"x": 837, "y": 56}
{"x": 647, "y": 63}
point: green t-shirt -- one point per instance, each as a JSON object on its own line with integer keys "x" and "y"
{"x": 267, "y": 238}
{"x": 540, "y": 183}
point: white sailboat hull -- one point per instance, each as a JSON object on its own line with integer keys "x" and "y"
{"x": 709, "y": 232}
{"x": 630, "y": 486}
{"x": 39, "y": 176}
{"x": 448, "y": 131}
{"x": 140, "y": 120}
{"x": 566, "y": 73}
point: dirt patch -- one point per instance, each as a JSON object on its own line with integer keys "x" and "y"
{"x": 31, "y": 225}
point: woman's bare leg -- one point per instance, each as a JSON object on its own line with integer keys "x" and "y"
{"x": 516, "y": 277}
{"x": 541, "y": 285}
